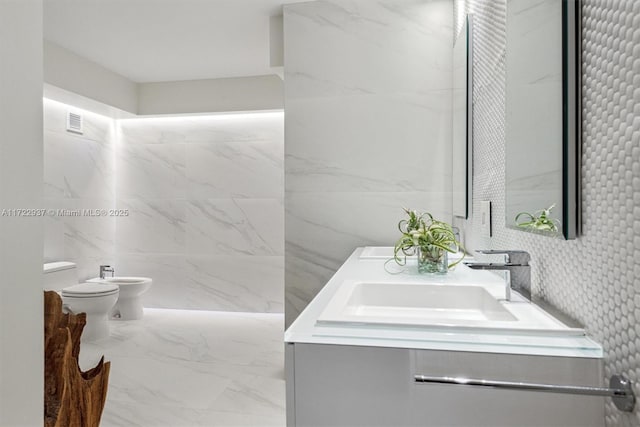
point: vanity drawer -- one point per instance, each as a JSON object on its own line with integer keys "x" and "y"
{"x": 468, "y": 405}
{"x": 341, "y": 385}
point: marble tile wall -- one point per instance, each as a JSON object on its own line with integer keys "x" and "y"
{"x": 205, "y": 197}
{"x": 368, "y": 129}
{"x": 78, "y": 174}
{"x": 205, "y": 202}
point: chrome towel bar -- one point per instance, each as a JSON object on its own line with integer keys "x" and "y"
{"x": 620, "y": 388}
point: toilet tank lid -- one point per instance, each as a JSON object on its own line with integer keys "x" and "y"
{"x": 50, "y": 267}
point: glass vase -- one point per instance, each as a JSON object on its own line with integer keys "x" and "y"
{"x": 432, "y": 260}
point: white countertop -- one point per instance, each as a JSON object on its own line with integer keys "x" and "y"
{"x": 306, "y": 330}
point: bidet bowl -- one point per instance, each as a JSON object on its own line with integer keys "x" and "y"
{"x": 129, "y": 305}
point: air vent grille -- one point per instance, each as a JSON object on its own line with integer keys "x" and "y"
{"x": 74, "y": 122}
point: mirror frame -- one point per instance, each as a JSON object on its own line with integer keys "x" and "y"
{"x": 572, "y": 118}
{"x": 467, "y": 31}
{"x": 571, "y": 123}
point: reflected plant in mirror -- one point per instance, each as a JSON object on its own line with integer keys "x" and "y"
{"x": 539, "y": 221}
{"x": 427, "y": 238}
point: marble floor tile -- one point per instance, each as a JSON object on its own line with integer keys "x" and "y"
{"x": 250, "y": 394}
{"x": 133, "y": 414}
{"x": 233, "y": 419}
{"x": 184, "y": 368}
{"x": 154, "y": 382}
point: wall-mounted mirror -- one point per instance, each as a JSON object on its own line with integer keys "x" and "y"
{"x": 462, "y": 120}
{"x": 542, "y": 123}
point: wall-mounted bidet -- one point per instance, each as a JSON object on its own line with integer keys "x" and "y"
{"x": 129, "y": 305}
{"x": 94, "y": 299}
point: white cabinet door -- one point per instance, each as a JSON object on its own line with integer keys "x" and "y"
{"x": 335, "y": 385}
{"x": 350, "y": 386}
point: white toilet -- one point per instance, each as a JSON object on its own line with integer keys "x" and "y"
{"x": 94, "y": 299}
{"x": 129, "y": 305}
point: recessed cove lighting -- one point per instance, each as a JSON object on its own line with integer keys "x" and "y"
{"x": 212, "y": 117}
{"x": 72, "y": 108}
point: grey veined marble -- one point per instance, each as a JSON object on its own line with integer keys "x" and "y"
{"x": 193, "y": 368}
{"x": 204, "y": 197}
{"x": 79, "y": 173}
{"x": 206, "y": 201}
{"x": 368, "y": 106}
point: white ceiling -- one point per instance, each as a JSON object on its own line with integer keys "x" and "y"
{"x": 166, "y": 40}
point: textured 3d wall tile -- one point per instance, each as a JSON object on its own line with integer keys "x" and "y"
{"x": 595, "y": 278}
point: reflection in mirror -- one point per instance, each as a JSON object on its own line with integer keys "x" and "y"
{"x": 462, "y": 120}
{"x": 540, "y": 118}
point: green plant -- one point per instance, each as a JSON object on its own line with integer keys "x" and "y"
{"x": 539, "y": 221}
{"x": 432, "y": 238}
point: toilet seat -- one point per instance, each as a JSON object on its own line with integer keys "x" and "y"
{"x": 90, "y": 290}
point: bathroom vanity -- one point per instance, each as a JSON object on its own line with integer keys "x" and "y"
{"x": 381, "y": 349}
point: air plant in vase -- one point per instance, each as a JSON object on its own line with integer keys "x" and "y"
{"x": 431, "y": 240}
{"x": 539, "y": 221}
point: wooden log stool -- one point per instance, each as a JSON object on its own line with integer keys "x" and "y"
{"x": 72, "y": 398}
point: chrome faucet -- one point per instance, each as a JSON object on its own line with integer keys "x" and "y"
{"x": 104, "y": 269}
{"x": 517, "y": 264}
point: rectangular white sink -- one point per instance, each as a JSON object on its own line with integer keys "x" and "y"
{"x": 436, "y": 306}
{"x": 439, "y": 303}
{"x": 386, "y": 252}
